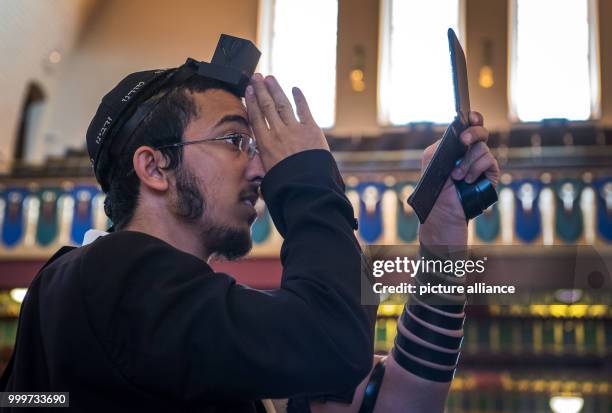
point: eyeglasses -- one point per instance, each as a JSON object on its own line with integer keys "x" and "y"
{"x": 241, "y": 142}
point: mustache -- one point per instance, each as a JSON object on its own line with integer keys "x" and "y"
{"x": 251, "y": 191}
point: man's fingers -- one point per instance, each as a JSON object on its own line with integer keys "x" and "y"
{"x": 476, "y": 119}
{"x": 283, "y": 106}
{"x": 476, "y": 151}
{"x": 484, "y": 164}
{"x": 256, "y": 118}
{"x": 474, "y": 134}
{"x": 266, "y": 103}
{"x": 301, "y": 106}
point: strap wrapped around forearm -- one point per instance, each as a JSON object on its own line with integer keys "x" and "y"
{"x": 418, "y": 369}
{"x": 372, "y": 389}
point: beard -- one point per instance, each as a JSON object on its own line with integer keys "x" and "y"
{"x": 189, "y": 204}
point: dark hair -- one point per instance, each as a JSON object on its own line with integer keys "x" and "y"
{"x": 165, "y": 124}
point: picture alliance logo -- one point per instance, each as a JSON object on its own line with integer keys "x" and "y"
{"x": 411, "y": 267}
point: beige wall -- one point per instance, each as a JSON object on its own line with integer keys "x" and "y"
{"x": 125, "y": 36}
{"x": 29, "y": 31}
{"x": 357, "y": 26}
{"x": 487, "y": 20}
{"x": 128, "y": 36}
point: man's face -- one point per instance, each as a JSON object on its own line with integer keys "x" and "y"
{"x": 216, "y": 179}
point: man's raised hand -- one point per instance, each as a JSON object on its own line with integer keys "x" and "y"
{"x": 446, "y": 224}
{"x": 278, "y": 132}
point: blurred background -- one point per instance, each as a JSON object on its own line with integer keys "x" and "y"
{"x": 377, "y": 75}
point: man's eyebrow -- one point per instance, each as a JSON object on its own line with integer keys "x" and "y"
{"x": 233, "y": 118}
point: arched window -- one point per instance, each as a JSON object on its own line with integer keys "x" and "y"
{"x": 31, "y": 115}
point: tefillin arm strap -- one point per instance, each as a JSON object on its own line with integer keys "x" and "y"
{"x": 372, "y": 389}
{"x": 126, "y": 132}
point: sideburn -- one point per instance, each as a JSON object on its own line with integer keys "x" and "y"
{"x": 188, "y": 201}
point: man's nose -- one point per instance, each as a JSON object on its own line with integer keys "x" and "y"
{"x": 255, "y": 170}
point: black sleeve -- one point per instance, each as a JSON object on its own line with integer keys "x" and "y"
{"x": 181, "y": 332}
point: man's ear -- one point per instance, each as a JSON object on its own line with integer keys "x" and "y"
{"x": 149, "y": 166}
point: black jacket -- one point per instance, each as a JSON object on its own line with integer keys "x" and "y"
{"x": 130, "y": 322}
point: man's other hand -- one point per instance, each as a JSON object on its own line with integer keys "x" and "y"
{"x": 446, "y": 224}
{"x": 278, "y": 132}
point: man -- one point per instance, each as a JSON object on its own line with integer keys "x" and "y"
{"x": 137, "y": 319}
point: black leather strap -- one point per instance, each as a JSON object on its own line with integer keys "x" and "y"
{"x": 416, "y": 368}
{"x": 433, "y": 337}
{"x": 455, "y": 309}
{"x": 426, "y": 353}
{"x": 443, "y": 279}
{"x": 437, "y": 319}
{"x": 444, "y": 302}
{"x": 427, "y": 190}
{"x": 371, "y": 391}
{"x": 123, "y": 135}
